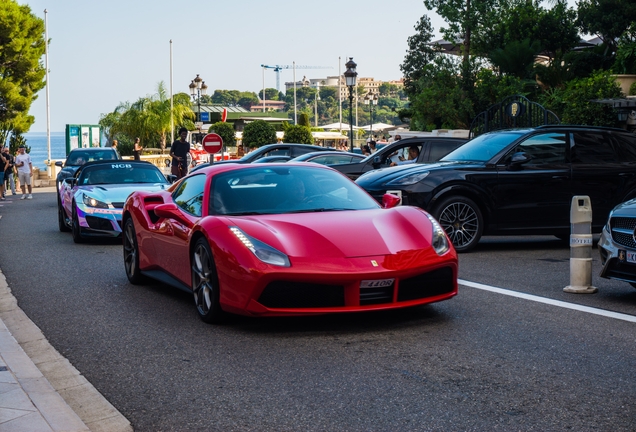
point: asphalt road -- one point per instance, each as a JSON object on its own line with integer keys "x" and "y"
{"x": 483, "y": 361}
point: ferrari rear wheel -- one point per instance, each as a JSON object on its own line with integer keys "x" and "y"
{"x": 131, "y": 254}
{"x": 61, "y": 218}
{"x": 205, "y": 283}
{"x": 75, "y": 226}
{"x": 462, "y": 220}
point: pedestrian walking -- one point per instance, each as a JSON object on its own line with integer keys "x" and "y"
{"x": 179, "y": 153}
{"x": 3, "y": 165}
{"x": 25, "y": 171}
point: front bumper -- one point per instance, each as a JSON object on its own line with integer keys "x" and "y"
{"x": 99, "y": 222}
{"x": 615, "y": 252}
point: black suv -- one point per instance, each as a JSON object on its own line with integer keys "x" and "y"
{"x": 429, "y": 149}
{"x": 517, "y": 181}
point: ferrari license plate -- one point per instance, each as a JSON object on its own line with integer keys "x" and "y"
{"x": 629, "y": 256}
{"x": 377, "y": 283}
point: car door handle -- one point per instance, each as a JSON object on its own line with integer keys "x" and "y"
{"x": 557, "y": 177}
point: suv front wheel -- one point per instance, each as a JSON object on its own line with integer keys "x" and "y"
{"x": 462, "y": 220}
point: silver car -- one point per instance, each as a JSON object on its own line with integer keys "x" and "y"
{"x": 617, "y": 245}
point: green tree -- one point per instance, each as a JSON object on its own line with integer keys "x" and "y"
{"x": 298, "y": 134}
{"x": 419, "y": 54}
{"x": 608, "y": 19}
{"x": 247, "y": 100}
{"x": 258, "y": 133}
{"x": 21, "y": 73}
{"x": 270, "y": 94}
{"x": 303, "y": 119}
{"x": 225, "y": 131}
{"x": 573, "y": 103}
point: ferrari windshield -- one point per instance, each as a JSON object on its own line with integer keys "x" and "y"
{"x": 120, "y": 172}
{"x": 484, "y": 147}
{"x": 278, "y": 189}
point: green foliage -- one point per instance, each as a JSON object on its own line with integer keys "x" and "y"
{"x": 15, "y": 141}
{"x": 573, "y": 103}
{"x": 270, "y": 94}
{"x": 226, "y": 132}
{"x": 148, "y": 118}
{"x": 21, "y": 72}
{"x": 632, "y": 89}
{"x": 303, "y": 119}
{"x": 298, "y": 134}
{"x": 258, "y": 133}
{"x": 235, "y": 97}
{"x": 626, "y": 58}
{"x": 419, "y": 54}
{"x": 609, "y": 19}
{"x": 490, "y": 88}
{"x": 516, "y": 58}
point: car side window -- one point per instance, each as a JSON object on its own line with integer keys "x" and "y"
{"x": 593, "y": 148}
{"x": 548, "y": 148}
{"x": 189, "y": 194}
{"x": 439, "y": 149}
{"x": 282, "y": 151}
{"x": 626, "y": 144}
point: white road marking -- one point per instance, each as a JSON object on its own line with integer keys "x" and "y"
{"x": 548, "y": 301}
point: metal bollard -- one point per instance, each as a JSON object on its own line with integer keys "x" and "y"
{"x": 581, "y": 247}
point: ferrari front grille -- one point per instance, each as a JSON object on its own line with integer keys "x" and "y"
{"x": 292, "y": 295}
{"x": 376, "y": 295}
{"x": 431, "y": 284}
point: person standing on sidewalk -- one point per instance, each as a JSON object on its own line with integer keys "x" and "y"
{"x": 8, "y": 172}
{"x": 25, "y": 171}
{"x": 3, "y": 165}
{"x": 179, "y": 152}
{"x": 137, "y": 148}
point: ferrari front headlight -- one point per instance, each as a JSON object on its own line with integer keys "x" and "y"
{"x": 439, "y": 240}
{"x": 92, "y": 202}
{"x": 262, "y": 251}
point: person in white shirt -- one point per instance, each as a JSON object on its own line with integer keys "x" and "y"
{"x": 25, "y": 171}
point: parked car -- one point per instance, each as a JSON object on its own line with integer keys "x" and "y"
{"x": 279, "y": 149}
{"x": 617, "y": 245}
{"x": 90, "y": 203}
{"x": 430, "y": 149}
{"x": 260, "y": 240}
{"x": 79, "y": 156}
{"x": 329, "y": 158}
{"x": 517, "y": 181}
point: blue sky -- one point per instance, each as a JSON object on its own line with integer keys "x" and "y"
{"x": 104, "y": 53}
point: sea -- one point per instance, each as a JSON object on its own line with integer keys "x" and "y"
{"x": 39, "y": 151}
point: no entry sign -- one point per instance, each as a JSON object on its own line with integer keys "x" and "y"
{"x": 212, "y": 143}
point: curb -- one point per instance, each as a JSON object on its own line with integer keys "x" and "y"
{"x": 88, "y": 404}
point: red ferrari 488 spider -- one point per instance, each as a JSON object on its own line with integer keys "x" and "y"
{"x": 285, "y": 239}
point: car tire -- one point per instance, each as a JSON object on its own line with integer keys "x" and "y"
{"x": 131, "y": 254}
{"x": 205, "y": 283}
{"x": 462, "y": 220}
{"x": 76, "y": 230}
{"x": 61, "y": 218}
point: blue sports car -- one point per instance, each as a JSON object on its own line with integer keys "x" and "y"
{"x": 91, "y": 202}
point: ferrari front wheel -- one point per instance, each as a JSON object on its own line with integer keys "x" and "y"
{"x": 131, "y": 254}
{"x": 205, "y": 283}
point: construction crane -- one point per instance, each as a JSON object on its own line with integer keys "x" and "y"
{"x": 278, "y": 68}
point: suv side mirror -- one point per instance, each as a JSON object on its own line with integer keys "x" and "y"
{"x": 518, "y": 159}
{"x": 377, "y": 161}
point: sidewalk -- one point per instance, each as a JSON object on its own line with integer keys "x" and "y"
{"x": 40, "y": 390}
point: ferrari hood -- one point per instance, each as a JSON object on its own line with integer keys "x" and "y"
{"x": 119, "y": 192}
{"x": 344, "y": 234}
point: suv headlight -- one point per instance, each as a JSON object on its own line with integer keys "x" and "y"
{"x": 409, "y": 179}
{"x": 92, "y": 202}
{"x": 262, "y": 251}
{"x": 439, "y": 240}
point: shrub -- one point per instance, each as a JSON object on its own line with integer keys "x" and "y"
{"x": 226, "y": 132}
{"x": 298, "y": 134}
{"x": 258, "y": 133}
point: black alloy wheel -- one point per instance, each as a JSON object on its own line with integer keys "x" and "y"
{"x": 462, "y": 220}
{"x": 205, "y": 283}
{"x": 76, "y": 230}
{"x": 131, "y": 254}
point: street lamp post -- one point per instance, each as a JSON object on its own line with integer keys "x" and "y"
{"x": 371, "y": 99}
{"x": 350, "y": 79}
{"x": 316, "y": 99}
{"x": 198, "y": 88}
